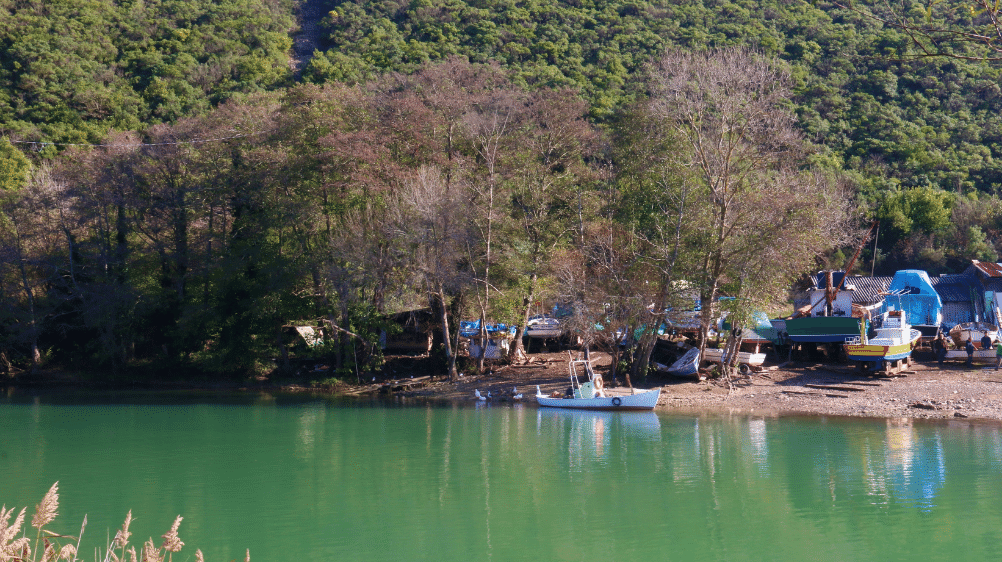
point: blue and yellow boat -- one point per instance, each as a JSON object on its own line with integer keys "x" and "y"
{"x": 893, "y": 341}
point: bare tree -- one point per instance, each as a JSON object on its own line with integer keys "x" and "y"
{"x": 550, "y": 172}
{"x": 430, "y": 216}
{"x": 490, "y": 126}
{"x": 29, "y": 252}
{"x": 766, "y": 219}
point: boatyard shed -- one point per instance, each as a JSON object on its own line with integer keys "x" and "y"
{"x": 972, "y": 296}
{"x": 956, "y": 291}
{"x": 987, "y": 300}
{"x": 864, "y": 291}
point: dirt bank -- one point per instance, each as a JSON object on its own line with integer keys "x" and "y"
{"x": 923, "y": 391}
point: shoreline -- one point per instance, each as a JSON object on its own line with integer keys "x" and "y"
{"x": 922, "y": 391}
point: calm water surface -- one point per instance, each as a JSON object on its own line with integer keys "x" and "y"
{"x": 312, "y": 479}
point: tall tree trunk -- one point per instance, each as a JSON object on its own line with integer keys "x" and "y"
{"x": 526, "y": 310}
{"x": 36, "y": 355}
{"x": 450, "y": 355}
{"x": 181, "y": 257}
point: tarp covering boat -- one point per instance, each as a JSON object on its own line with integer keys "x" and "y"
{"x": 911, "y": 290}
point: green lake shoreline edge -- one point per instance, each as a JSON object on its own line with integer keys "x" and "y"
{"x": 954, "y": 391}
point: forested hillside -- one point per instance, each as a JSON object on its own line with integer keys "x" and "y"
{"x": 893, "y": 119}
{"x": 71, "y": 71}
{"x": 478, "y": 157}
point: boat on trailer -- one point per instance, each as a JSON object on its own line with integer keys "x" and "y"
{"x": 592, "y": 395}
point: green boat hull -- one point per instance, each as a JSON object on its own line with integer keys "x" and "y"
{"x": 822, "y": 329}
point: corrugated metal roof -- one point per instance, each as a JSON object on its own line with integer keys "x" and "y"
{"x": 989, "y": 269}
{"x": 954, "y": 287}
{"x": 866, "y": 290}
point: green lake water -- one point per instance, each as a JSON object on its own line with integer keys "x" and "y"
{"x": 302, "y": 479}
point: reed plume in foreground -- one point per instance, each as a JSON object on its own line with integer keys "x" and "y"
{"x": 49, "y": 546}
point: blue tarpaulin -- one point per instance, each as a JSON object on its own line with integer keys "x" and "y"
{"x": 912, "y": 291}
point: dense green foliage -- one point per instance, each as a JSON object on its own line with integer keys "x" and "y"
{"x": 71, "y": 70}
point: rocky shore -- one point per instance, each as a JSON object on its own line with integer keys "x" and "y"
{"x": 925, "y": 390}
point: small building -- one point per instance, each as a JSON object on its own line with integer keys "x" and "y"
{"x": 955, "y": 290}
{"x": 418, "y": 331}
{"x": 857, "y": 290}
{"x": 988, "y": 300}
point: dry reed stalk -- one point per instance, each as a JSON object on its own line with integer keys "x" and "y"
{"x": 16, "y": 550}
{"x": 172, "y": 543}
{"x": 8, "y": 532}
{"x": 68, "y": 552}
{"x": 123, "y": 534}
{"x": 49, "y": 552}
{"x": 198, "y": 556}
{"x": 132, "y": 554}
{"x": 45, "y": 511}
{"x": 150, "y": 552}
{"x": 247, "y": 558}
{"x": 80, "y": 537}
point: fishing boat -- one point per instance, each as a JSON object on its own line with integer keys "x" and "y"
{"x": 471, "y": 329}
{"x": 758, "y": 332}
{"x": 831, "y": 317}
{"x": 973, "y": 331}
{"x": 911, "y": 291}
{"x": 893, "y": 341}
{"x": 543, "y": 326}
{"x": 591, "y": 394}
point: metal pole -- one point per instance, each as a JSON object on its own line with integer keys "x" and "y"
{"x": 873, "y": 266}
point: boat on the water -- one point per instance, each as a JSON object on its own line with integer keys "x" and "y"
{"x": 592, "y": 395}
{"x": 893, "y": 341}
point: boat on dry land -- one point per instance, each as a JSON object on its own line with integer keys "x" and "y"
{"x": 891, "y": 345}
{"x": 973, "y": 331}
{"x": 592, "y": 395}
{"x": 543, "y": 327}
{"x": 685, "y": 366}
{"x": 744, "y": 359}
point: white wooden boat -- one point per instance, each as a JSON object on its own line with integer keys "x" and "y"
{"x": 979, "y": 355}
{"x": 744, "y": 358}
{"x": 591, "y": 395}
{"x": 973, "y": 331}
{"x": 543, "y": 327}
{"x": 497, "y": 348}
